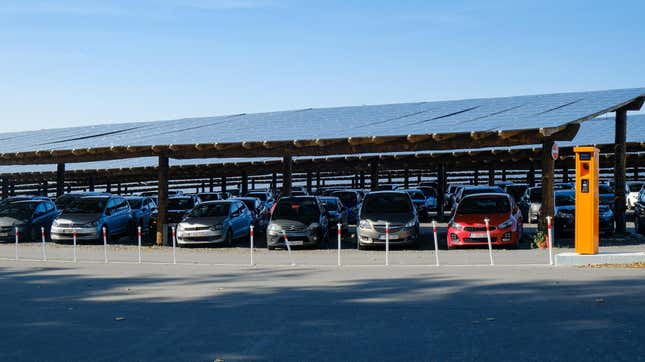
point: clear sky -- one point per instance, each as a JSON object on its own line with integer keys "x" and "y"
{"x": 65, "y": 63}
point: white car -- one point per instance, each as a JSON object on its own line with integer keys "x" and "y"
{"x": 632, "y": 189}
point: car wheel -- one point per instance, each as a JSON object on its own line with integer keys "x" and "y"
{"x": 229, "y": 238}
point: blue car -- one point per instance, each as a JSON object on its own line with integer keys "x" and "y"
{"x": 142, "y": 210}
{"x": 28, "y": 214}
{"x": 336, "y": 213}
{"x": 352, "y": 200}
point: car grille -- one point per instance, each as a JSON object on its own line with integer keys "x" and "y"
{"x": 479, "y": 240}
{"x": 393, "y": 229}
{"x": 70, "y": 226}
{"x": 198, "y": 238}
{"x": 6, "y": 229}
{"x": 479, "y": 228}
{"x": 197, "y": 228}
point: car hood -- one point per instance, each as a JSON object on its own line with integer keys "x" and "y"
{"x": 290, "y": 224}
{"x": 204, "y": 220}
{"x": 10, "y": 221}
{"x": 478, "y": 219}
{"x": 382, "y": 218}
{"x": 78, "y": 218}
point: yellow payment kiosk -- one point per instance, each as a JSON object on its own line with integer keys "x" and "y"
{"x": 586, "y": 200}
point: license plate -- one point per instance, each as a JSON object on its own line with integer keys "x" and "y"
{"x": 4, "y": 234}
{"x": 479, "y": 235}
{"x": 392, "y": 237}
{"x": 68, "y": 231}
{"x": 296, "y": 242}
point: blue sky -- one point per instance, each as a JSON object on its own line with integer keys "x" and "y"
{"x": 65, "y": 63}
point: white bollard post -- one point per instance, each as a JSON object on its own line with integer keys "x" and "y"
{"x": 436, "y": 243}
{"x": 139, "y": 242}
{"x": 251, "y": 237}
{"x": 387, "y": 243}
{"x": 105, "y": 251}
{"x": 286, "y": 241}
{"x": 340, "y": 230}
{"x": 490, "y": 244}
{"x": 74, "y": 239}
{"x": 43, "y": 239}
{"x": 174, "y": 245}
{"x": 550, "y": 235}
{"x": 17, "y": 238}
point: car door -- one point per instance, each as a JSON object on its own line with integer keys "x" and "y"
{"x": 39, "y": 218}
{"x": 124, "y": 214}
{"x": 109, "y": 216}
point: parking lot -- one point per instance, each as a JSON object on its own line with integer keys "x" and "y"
{"x": 93, "y": 311}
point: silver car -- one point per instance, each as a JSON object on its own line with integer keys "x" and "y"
{"x": 393, "y": 208}
{"x": 215, "y": 222}
{"x": 87, "y": 216}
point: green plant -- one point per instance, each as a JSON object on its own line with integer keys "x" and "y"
{"x": 539, "y": 240}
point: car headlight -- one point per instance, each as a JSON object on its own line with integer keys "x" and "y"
{"x": 505, "y": 224}
{"x": 411, "y": 223}
{"x": 456, "y": 226}
{"x": 273, "y": 229}
{"x": 364, "y": 224}
{"x": 217, "y": 227}
{"x": 92, "y": 224}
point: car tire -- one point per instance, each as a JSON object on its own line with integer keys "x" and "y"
{"x": 229, "y": 238}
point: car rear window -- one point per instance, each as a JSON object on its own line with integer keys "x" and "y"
{"x": 209, "y": 197}
{"x": 387, "y": 203}
{"x": 260, "y": 195}
{"x": 347, "y": 198}
{"x": 330, "y": 203}
{"x": 565, "y": 199}
{"x": 428, "y": 191}
{"x": 635, "y": 187}
{"x": 250, "y": 204}
{"x": 481, "y": 191}
{"x": 181, "y": 204}
{"x": 305, "y": 210}
{"x": 484, "y": 205}
{"x": 416, "y": 195}
{"x": 605, "y": 189}
{"x": 135, "y": 203}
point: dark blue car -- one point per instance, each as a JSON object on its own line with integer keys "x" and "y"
{"x": 29, "y": 215}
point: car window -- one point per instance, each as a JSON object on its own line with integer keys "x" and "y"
{"x": 347, "y": 198}
{"x": 40, "y": 208}
{"x": 50, "y": 206}
{"x": 387, "y": 203}
{"x": 605, "y": 189}
{"x": 89, "y": 205}
{"x": 565, "y": 199}
{"x": 635, "y": 187}
{"x": 211, "y": 210}
{"x": 303, "y": 210}
{"x": 135, "y": 203}
{"x": 416, "y": 195}
{"x": 483, "y": 205}
{"x": 184, "y": 203}
{"x": 330, "y": 204}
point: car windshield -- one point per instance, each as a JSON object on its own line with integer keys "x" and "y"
{"x": 218, "y": 209}
{"x": 481, "y": 191}
{"x": 181, "y": 204}
{"x": 330, "y": 204}
{"x": 635, "y": 187}
{"x": 305, "y": 211}
{"x": 536, "y": 195}
{"x": 20, "y": 210}
{"x": 64, "y": 201}
{"x": 605, "y": 189}
{"x": 209, "y": 197}
{"x": 87, "y": 205}
{"x": 428, "y": 191}
{"x": 258, "y": 195}
{"x": 135, "y": 203}
{"x": 484, "y": 205}
{"x": 565, "y": 200}
{"x": 387, "y": 204}
{"x": 250, "y": 203}
{"x": 347, "y": 198}
{"x": 416, "y": 195}
{"x": 516, "y": 191}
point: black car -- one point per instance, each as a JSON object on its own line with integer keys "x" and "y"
{"x": 302, "y": 218}
{"x": 639, "y": 212}
{"x": 352, "y": 200}
{"x": 336, "y": 213}
{"x": 565, "y": 214}
{"x": 258, "y": 211}
{"x": 178, "y": 208}
{"x": 29, "y": 215}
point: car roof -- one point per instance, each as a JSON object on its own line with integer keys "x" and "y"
{"x": 229, "y": 201}
{"x": 487, "y": 194}
{"x": 387, "y": 192}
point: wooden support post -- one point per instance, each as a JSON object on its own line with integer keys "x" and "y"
{"x": 69, "y": 188}
{"x": 108, "y": 185}
{"x": 362, "y": 179}
{"x": 211, "y": 184}
{"x": 274, "y": 181}
{"x": 565, "y": 174}
{"x": 406, "y": 176}
{"x": 60, "y": 179}
{"x": 389, "y": 177}
{"x": 203, "y": 186}
{"x": 244, "y": 189}
{"x": 636, "y": 176}
{"x": 530, "y": 176}
{"x": 548, "y": 166}
{"x": 252, "y": 183}
{"x": 45, "y": 188}
{"x": 90, "y": 184}
{"x": 491, "y": 176}
{"x": 318, "y": 182}
{"x": 504, "y": 174}
{"x": 118, "y": 188}
{"x": 620, "y": 171}
{"x": 476, "y": 177}
{"x": 441, "y": 192}
{"x": 12, "y": 189}
{"x": 162, "y": 205}
{"x": 309, "y": 183}
{"x": 374, "y": 176}
{"x": 287, "y": 169}
{"x": 5, "y": 188}
{"x": 223, "y": 184}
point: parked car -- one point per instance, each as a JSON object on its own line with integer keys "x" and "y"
{"x": 565, "y": 214}
{"x": 143, "y": 209}
{"x": 606, "y": 195}
{"x": 215, "y": 222}
{"x": 531, "y": 203}
{"x": 29, "y": 215}
{"x": 639, "y": 213}
{"x": 299, "y": 193}
{"x": 632, "y": 190}
{"x": 88, "y": 215}
{"x": 211, "y": 196}
{"x": 564, "y": 186}
{"x": 516, "y": 190}
{"x": 304, "y": 220}
{"x": 64, "y": 200}
{"x": 258, "y": 211}
{"x": 421, "y": 203}
{"x": 431, "y": 184}
{"x": 387, "y": 187}
{"x": 472, "y": 190}
{"x": 467, "y": 226}
{"x": 392, "y": 207}
{"x": 351, "y": 199}
{"x": 178, "y": 208}
{"x": 430, "y": 194}
{"x": 450, "y": 196}
{"x": 336, "y": 213}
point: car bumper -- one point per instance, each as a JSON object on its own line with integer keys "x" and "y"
{"x": 295, "y": 239}
{"x": 200, "y": 237}
{"x": 374, "y": 237}
{"x": 60, "y": 234}
{"x": 497, "y": 237}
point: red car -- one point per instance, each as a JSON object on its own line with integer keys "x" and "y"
{"x": 468, "y": 227}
